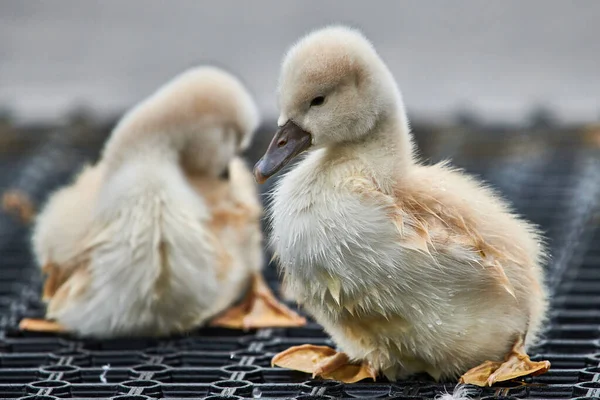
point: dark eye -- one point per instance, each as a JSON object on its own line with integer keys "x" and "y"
{"x": 317, "y": 101}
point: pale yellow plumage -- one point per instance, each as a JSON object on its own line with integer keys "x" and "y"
{"x": 150, "y": 241}
{"x": 410, "y": 268}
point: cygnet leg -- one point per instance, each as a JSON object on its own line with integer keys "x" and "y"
{"x": 55, "y": 277}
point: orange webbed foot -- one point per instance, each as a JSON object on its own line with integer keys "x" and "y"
{"x": 323, "y": 362}
{"x": 41, "y": 325}
{"x": 517, "y": 364}
{"x": 259, "y": 309}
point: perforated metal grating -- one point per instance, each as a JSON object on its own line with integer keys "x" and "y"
{"x": 557, "y": 189}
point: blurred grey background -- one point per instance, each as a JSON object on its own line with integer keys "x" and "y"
{"x": 497, "y": 59}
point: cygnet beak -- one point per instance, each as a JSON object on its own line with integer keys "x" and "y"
{"x": 289, "y": 141}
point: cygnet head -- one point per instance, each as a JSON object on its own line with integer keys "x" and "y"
{"x": 201, "y": 119}
{"x": 333, "y": 88}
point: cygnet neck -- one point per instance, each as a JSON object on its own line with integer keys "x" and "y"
{"x": 129, "y": 144}
{"x": 181, "y": 147}
{"x": 386, "y": 149}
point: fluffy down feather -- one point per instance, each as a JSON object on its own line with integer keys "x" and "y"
{"x": 129, "y": 247}
{"x": 410, "y": 268}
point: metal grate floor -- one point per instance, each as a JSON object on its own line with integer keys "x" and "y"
{"x": 559, "y": 190}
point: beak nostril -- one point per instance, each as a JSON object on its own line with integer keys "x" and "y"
{"x": 282, "y": 142}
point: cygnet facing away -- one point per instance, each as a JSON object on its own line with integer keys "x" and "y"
{"x": 139, "y": 244}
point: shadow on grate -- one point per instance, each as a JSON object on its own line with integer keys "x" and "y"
{"x": 559, "y": 190}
